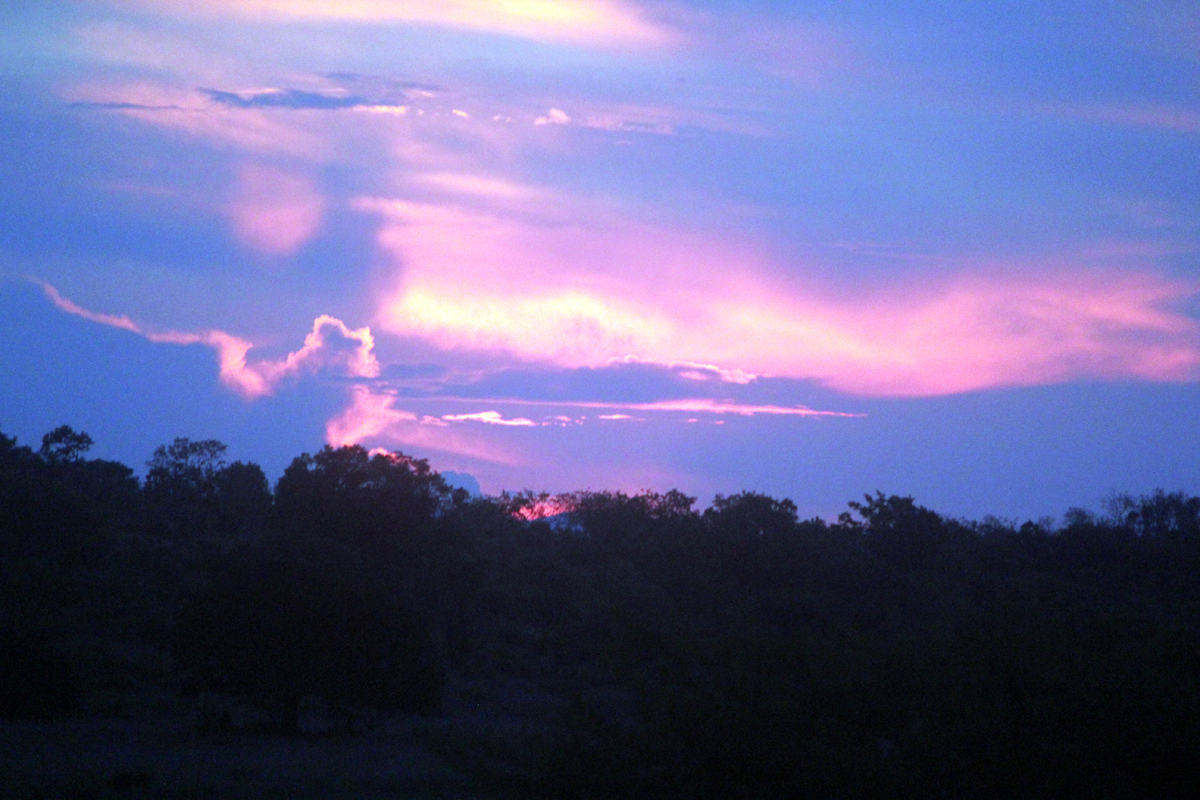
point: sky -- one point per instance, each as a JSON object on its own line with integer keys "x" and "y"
{"x": 813, "y": 249}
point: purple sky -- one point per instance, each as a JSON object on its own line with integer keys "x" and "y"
{"x": 947, "y": 250}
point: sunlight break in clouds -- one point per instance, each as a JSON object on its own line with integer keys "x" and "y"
{"x": 600, "y": 23}
{"x": 253, "y": 380}
{"x": 579, "y": 294}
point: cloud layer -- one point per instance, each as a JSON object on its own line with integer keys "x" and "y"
{"x": 573, "y": 293}
{"x": 576, "y": 225}
{"x": 598, "y": 23}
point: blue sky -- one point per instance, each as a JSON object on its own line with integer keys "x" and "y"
{"x": 947, "y": 250}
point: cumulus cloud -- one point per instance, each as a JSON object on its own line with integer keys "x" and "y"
{"x": 331, "y": 345}
{"x": 555, "y": 116}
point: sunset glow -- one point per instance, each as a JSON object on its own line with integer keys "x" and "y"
{"x": 553, "y": 244}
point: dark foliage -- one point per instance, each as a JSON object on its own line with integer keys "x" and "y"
{"x": 626, "y": 645}
{"x": 36, "y": 680}
{"x": 283, "y": 622}
{"x": 195, "y": 491}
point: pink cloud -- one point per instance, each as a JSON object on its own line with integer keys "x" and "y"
{"x": 698, "y": 372}
{"x": 372, "y": 417}
{"x": 583, "y": 289}
{"x": 369, "y": 415}
{"x": 595, "y": 23}
{"x": 258, "y": 378}
{"x": 490, "y": 418}
{"x": 719, "y": 407}
{"x": 262, "y": 131}
{"x": 112, "y": 320}
{"x": 275, "y": 211}
{"x": 555, "y": 116}
{"x": 684, "y": 405}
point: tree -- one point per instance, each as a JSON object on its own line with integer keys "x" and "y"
{"x": 615, "y": 519}
{"x": 241, "y": 494}
{"x": 65, "y": 445}
{"x": 751, "y": 514}
{"x": 1159, "y": 516}
{"x": 372, "y": 501}
{"x": 903, "y": 533}
{"x": 183, "y": 471}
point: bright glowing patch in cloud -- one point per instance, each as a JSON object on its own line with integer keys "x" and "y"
{"x": 571, "y": 293}
{"x": 490, "y": 418}
{"x": 555, "y": 116}
{"x": 368, "y": 415}
{"x": 599, "y": 23}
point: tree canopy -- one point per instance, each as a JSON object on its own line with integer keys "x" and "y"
{"x": 606, "y": 644}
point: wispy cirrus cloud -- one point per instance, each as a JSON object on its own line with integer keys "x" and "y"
{"x": 184, "y": 110}
{"x": 1136, "y": 115}
{"x": 686, "y": 405}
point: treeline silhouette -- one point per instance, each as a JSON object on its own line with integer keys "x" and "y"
{"x": 623, "y": 645}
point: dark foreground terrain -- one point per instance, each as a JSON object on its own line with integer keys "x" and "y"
{"x": 363, "y": 630}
